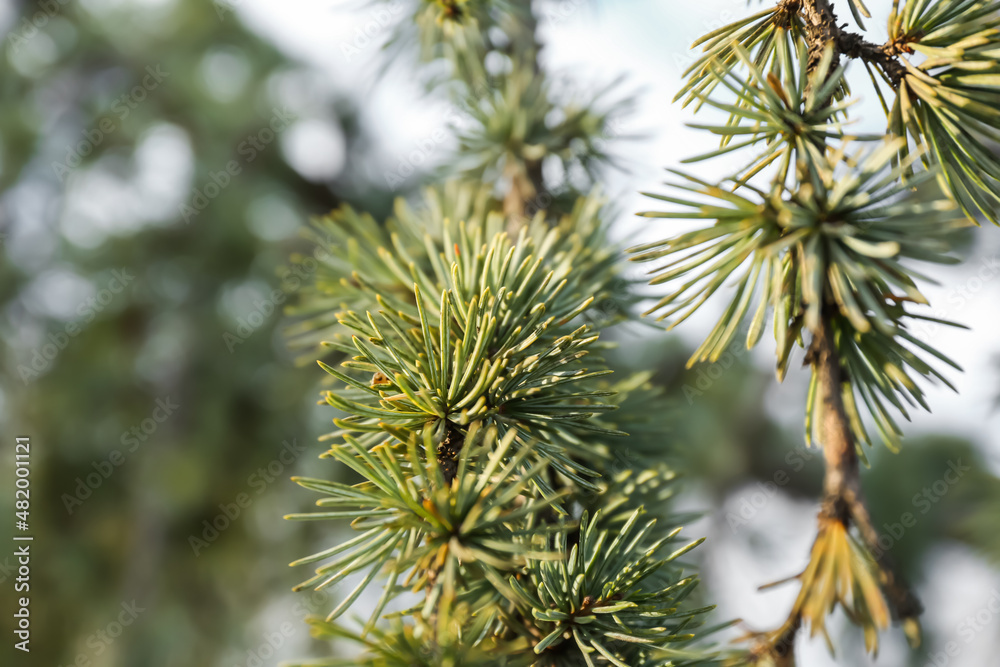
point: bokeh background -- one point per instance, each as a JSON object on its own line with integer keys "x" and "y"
{"x": 158, "y": 159}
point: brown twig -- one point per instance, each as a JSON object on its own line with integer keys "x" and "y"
{"x": 842, "y": 481}
{"x": 525, "y": 175}
{"x": 885, "y": 56}
{"x": 525, "y": 183}
{"x": 843, "y": 500}
{"x": 841, "y": 478}
{"x": 448, "y": 451}
{"x": 822, "y": 29}
{"x": 839, "y": 453}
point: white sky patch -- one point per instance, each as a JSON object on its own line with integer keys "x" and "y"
{"x": 315, "y": 149}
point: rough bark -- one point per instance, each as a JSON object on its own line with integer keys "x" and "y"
{"x": 821, "y": 29}
{"x": 839, "y": 453}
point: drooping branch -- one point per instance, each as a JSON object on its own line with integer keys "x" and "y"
{"x": 843, "y": 505}
{"x": 842, "y": 481}
{"x": 843, "y": 499}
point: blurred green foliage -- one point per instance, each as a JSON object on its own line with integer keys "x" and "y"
{"x": 168, "y": 336}
{"x": 82, "y": 84}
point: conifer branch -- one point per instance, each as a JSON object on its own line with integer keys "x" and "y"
{"x": 476, "y": 407}
{"x": 819, "y": 250}
{"x": 844, "y": 500}
{"x": 822, "y": 29}
{"x": 474, "y": 402}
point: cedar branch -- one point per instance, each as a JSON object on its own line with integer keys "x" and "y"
{"x": 844, "y": 500}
